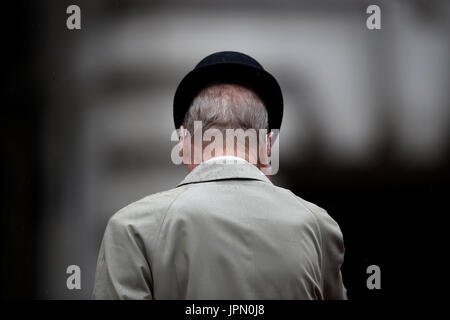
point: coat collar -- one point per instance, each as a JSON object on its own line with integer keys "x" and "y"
{"x": 217, "y": 169}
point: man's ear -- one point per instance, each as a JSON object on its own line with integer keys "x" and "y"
{"x": 269, "y": 142}
{"x": 182, "y": 133}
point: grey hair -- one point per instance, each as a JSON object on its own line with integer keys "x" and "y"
{"x": 227, "y": 106}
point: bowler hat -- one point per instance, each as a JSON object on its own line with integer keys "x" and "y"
{"x": 230, "y": 67}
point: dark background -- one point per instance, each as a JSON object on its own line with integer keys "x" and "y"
{"x": 390, "y": 202}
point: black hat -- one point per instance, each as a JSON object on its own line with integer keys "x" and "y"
{"x": 230, "y": 67}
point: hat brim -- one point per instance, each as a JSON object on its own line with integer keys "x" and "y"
{"x": 258, "y": 80}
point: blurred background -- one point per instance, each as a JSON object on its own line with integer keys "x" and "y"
{"x": 87, "y": 121}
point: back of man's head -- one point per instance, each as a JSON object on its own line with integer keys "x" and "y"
{"x": 231, "y": 120}
{"x": 227, "y": 106}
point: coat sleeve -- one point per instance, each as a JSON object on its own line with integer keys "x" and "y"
{"x": 332, "y": 254}
{"x": 332, "y": 257}
{"x": 123, "y": 271}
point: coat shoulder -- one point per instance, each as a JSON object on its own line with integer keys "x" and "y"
{"x": 329, "y": 228}
{"x": 318, "y": 213}
{"x": 151, "y": 207}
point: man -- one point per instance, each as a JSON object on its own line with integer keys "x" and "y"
{"x": 225, "y": 232}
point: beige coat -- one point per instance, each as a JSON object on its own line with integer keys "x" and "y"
{"x": 225, "y": 232}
